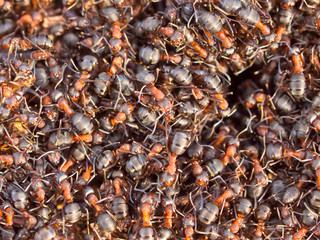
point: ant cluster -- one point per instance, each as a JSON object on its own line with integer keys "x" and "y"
{"x": 163, "y": 119}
